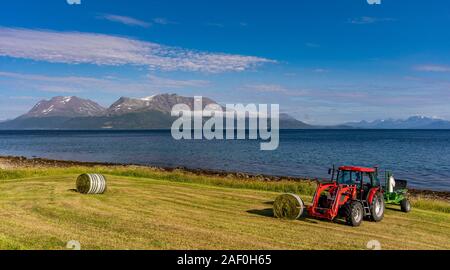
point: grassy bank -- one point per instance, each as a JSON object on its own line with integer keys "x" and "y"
{"x": 150, "y": 209}
{"x": 299, "y": 187}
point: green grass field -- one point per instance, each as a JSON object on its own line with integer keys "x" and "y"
{"x": 148, "y": 209}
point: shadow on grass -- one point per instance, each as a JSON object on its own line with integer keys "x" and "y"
{"x": 73, "y": 190}
{"x": 269, "y": 203}
{"x": 268, "y": 212}
{"x": 308, "y": 220}
{"x": 262, "y": 212}
{"x": 394, "y": 209}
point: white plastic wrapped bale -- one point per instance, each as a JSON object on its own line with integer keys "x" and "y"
{"x": 91, "y": 184}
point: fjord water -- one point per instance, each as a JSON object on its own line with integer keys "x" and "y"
{"x": 420, "y": 156}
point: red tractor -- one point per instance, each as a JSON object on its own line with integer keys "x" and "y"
{"x": 354, "y": 193}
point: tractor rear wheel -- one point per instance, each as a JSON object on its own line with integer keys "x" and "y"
{"x": 354, "y": 213}
{"x": 405, "y": 205}
{"x": 377, "y": 207}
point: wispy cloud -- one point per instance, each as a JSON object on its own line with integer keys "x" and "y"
{"x": 171, "y": 83}
{"x": 133, "y": 21}
{"x": 274, "y": 89}
{"x": 433, "y": 68}
{"x": 370, "y": 20}
{"x": 23, "y": 98}
{"x": 269, "y": 88}
{"x": 79, "y": 84}
{"x": 320, "y": 70}
{"x": 163, "y": 21}
{"x": 312, "y": 45}
{"x": 100, "y": 49}
{"x": 215, "y": 24}
{"x": 125, "y": 20}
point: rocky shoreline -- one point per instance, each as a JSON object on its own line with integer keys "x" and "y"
{"x": 12, "y": 162}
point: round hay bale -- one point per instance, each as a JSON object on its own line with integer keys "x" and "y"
{"x": 288, "y": 206}
{"x": 91, "y": 184}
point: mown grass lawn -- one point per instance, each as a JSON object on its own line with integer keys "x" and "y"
{"x": 44, "y": 212}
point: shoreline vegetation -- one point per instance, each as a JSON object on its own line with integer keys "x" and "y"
{"x": 305, "y": 186}
{"x": 148, "y": 208}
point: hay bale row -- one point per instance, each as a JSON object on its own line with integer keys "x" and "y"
{"x": 288, "y": 206}
{"x": 91, "y": 184}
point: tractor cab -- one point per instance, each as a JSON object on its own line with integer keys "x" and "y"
{"x": 364, "y": 179}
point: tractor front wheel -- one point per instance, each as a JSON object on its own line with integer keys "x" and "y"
{"x": 354, "y": 213}
{"x": 377, "y": 208}
{"x": 405, "y": 205}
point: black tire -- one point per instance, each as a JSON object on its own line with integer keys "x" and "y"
{"x": 377, "y": 207}
{"x": 405, "y": 205}
{"x": 354, "y": 213}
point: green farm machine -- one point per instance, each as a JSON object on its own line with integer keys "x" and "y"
{"x": 395, "y": 192}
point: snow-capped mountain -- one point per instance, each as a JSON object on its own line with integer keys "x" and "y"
{"x": 126, "y": 105}
{"x": 414, "y": 122}
{"x": 152, "y": 112}
{"x": 162, "y": 103}
{"x": 64, "y": 107}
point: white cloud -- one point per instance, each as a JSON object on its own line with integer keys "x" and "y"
{"x": 433, "y": 68}
{"x": 312, "y": 45}
{"x": 79, "y": 84}
{"x": 370, "y": 20}
{"x": 135, "y": 22}
{"x": 22, "y": 98}
{"x": 171, "y": 83}
{"x": 266, "y": 88}
{"x": 101, "y": 49}
{"x": 320, "y": 70}
{"x": 214, "y": 24}
{"x": 163, "y": 21}
{"x": 275, "y": 89}
{"x": 125, "y": 20}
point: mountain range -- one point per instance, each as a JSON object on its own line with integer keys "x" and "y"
{"x": 154, "y": 112}
{"x": 126, "y": 113}
{"x": 414, "y": 122}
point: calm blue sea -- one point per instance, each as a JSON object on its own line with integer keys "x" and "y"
{"x": 420, "y": 156}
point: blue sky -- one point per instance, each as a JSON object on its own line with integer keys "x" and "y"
{"x": 323, "y": 61}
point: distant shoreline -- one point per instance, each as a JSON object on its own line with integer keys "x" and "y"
{"x": 319, "y": 128}
{"x": 14, "y": 162}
